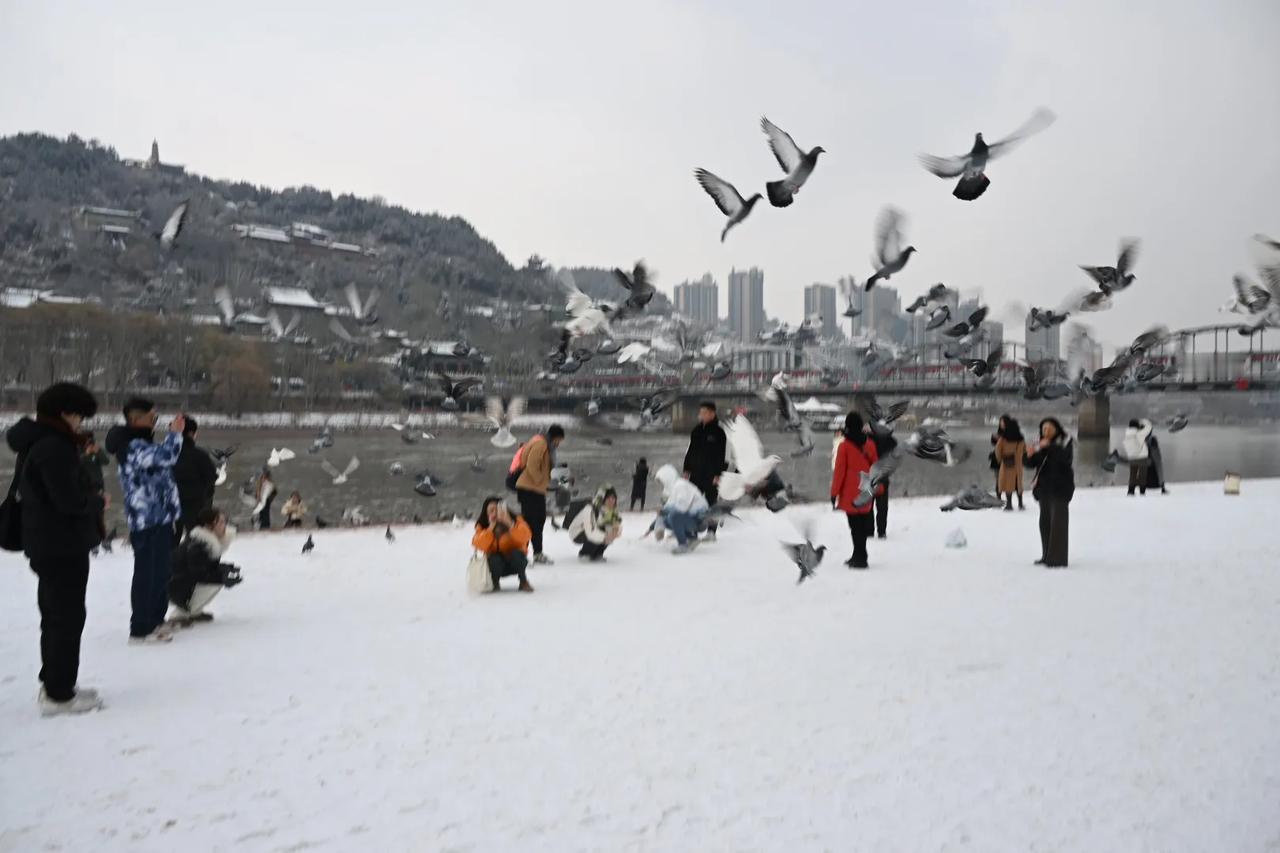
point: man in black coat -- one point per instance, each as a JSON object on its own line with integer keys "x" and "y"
{"x": 884, "y": 446}
{"x": 195, "y": 475}
{"x": 59, "y": 527}
{"x": 704, "y": 460}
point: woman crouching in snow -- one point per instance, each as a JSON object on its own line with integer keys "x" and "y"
{"x": 197, "y": 573}
{"x": 504, "y": 540}
{"x": 597, "y": 525}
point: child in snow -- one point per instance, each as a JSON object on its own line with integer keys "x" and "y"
{"x": 294, "y": 510}
{"x": 597, "y": 525}
{"x": 683, "y": 508}
{"x": 197, "y": 574}
{"x": 504, "y": 540}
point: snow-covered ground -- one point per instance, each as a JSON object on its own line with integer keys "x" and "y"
{"x": 947, "y": 699}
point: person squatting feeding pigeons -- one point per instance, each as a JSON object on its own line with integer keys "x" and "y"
{"x": 60, "y": 521}
{"x": 1137, "y": 452}
{"x": 856, "y": 454}
{"x": 197, "y": 574}
{"x": 639, "y": 483}
{"x": 152, "y": 508}
{"x": 503, "y": 539}
{"x": 294, "y": 511}
{"x": 1010, "y": 450}
{"x": 1053, "y": 488}
{"x": 597, "y": 525}
{"x": 536, "y": 458}
{"x": 704, "y": 461}
{"x": 683, "y": 509}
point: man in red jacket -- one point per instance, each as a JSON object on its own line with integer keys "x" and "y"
{"x": 857, "y": 453}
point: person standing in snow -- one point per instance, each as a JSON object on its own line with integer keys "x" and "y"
{"x": 195, "y": 475}
{"x": 294, "y": 511}
{"x": 704, "y": 461}
{"x": 151, "y": 507}
{"x": 1137, "y": 453}
{"x": 639, "y": 483}
{"x": 597, "y": 525}
{"x": 683, "y": 509}
{"x": 503, "y": 539}
{"x": 265, "y": 493}
{"x": 857, "y": 453}
{"x": 1053, "y": 489}
{"x": 536, "y": 460}
{"x": 884, "y": 444}
{"x": 1010, "y": 450}
{"x": 60, "y": 522}
{"x": 197, "y": 573}
{"x": 1155, "y": 470}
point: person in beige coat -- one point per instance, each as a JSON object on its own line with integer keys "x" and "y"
{"x": 1010, "y": 449}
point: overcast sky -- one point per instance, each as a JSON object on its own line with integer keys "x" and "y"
{"x": 571, "y": 129}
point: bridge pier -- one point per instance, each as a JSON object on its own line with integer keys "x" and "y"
{"x": 1095, "y": 417}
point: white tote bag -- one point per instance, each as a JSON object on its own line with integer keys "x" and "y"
{"x": 478, "y": 578}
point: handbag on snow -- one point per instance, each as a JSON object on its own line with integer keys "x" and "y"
{"x": 11, "y": 514}
{"x": 478, "y": 578}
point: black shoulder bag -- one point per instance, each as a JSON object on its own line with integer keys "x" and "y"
{"x": 11, "y": 513}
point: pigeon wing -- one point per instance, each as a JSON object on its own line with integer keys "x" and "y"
{"x": 783, "y": 146}
{"x": 494, "y": 411}
{"x": 745, "y": 444}
{"x": 888, "y": 236}
{"x": 374, "y": 295}
{"x": 1128, "y": 255}
{"x": 353, "y": 300}
{"x": 351, "y": 467}
{"x": 329, "y": 469}
{"x": 222, "y": 297}
{"x": 286, "y": 454}
{"x": 273, "y": 319}
{"x": 944, "y": 167}
{"x": 1040, "y": 120}
{"x": 725, "y": 195}
{"x": 173, "y": 226}
{"x": 516, "y": 407}
{"x": 338, "y": 329}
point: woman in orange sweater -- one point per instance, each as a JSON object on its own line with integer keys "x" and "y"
{"x": 503, "y": 539}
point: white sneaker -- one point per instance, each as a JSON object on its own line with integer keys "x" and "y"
{"x": 543, "y": 559}
{"x": 159, "y": 635}
{"x": 83, "y": 702}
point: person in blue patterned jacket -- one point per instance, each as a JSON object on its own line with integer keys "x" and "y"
{"x": 151, "y": 506}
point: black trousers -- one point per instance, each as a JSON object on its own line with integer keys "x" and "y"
{"x": 860, "y": 527}
{"x": 505, "y": 565}
{"x": 1054, "y": 521}
{"x": 264, "y": 517}
{"x": 589, "y": 548}
{"x": 1138, "y": 476}
{"x": 292, "y": 522}
{"x": 60, "y": 595}
{"x": 709, "y": 490}
{"x": 881, "y": 512}
{"x": 533, "y": 506}
{"x": 637, "y": 495}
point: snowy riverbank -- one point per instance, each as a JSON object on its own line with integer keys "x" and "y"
{"x": 944, "y": 700}
{"x": 336, "y": 421}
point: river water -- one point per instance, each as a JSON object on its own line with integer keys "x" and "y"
{"x": 596, "y": 456}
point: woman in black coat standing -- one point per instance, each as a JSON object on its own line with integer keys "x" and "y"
{"x": 1053, "y": 488}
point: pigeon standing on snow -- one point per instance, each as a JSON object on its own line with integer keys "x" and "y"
{"x": 389, "y": 536}
{"x": 727, "y": 198}
{"x": 797, "y": 164}
{"x": 1178, "y": 423}
{"x": 309, "y": 545}
{"x": 890, "y": 257}
{"x": 971, "y": 167}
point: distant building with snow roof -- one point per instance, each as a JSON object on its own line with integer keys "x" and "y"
{"x": 296, "y": 298}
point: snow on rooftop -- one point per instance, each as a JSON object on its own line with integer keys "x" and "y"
{"x": 944, "y": 699}
{"x": 21, "y": 297}
{"x": 292, "y": 297}
{"x": 115, "y": 229}
{"x": 109, "y": 211}
{"x": 260, "y": 232}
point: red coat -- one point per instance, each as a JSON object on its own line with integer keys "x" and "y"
{"x": 851, "y": 461}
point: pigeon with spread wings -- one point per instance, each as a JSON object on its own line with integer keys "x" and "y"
{"x": 796, "y": 163}
{"x": 971, "y": 168}
{"x": 727, "y": 198}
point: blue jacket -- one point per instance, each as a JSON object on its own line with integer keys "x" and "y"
{"x": 146, "y": 476}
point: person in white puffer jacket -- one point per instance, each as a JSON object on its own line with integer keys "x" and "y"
{"x": 1136, "y": 453}
{"x": 683, "y": 509}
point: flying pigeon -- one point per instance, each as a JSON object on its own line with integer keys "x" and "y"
{"x": 639, "y": 287}
{"x": 727, "y": 198}
{"x": 655, "y": 404}
{"x": 981, "y": 367}
{"x": 363, "y": 313}
{"x": 938, "y": 317}
{"x": 793, "y": 422}
{"x": 804, "y": 554}
{"x": 1114, "y": 279}
{"x": 934, "y": 445}
{"x": 971, "y": 498}
{"x": 881, "y": 471}
{"x": 389, "y": 536}
{"x": 309, "y": 545}
{"x": 274, "y": 459}
{"x": 340, "y": 477}
{"x": 890, "y": 257}
{"x": 221, "y": 471}
{"x": 1148, "y": 370}
{"x": 797, "y": 164}
{"x": 588, "y": 317}
{"x": 937, "y": 295}
{"x": 173, "y": 226}
{"x": 748, "y": 454}
{"x": 971, "y": 167}
{"x": 1045, "y": 318}
{"x": 849, "y": 286}
{"x": 632, "y": 352}
{"x": 454, "y": 390}
{"x": 502, "y": 416}
{"x": 1178, "y": 423}
{"x": 964, "y": 327}
{"x": 720, "y": 370}
{"x": 279, "y": 330}
{"x": 608, "y": 346}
